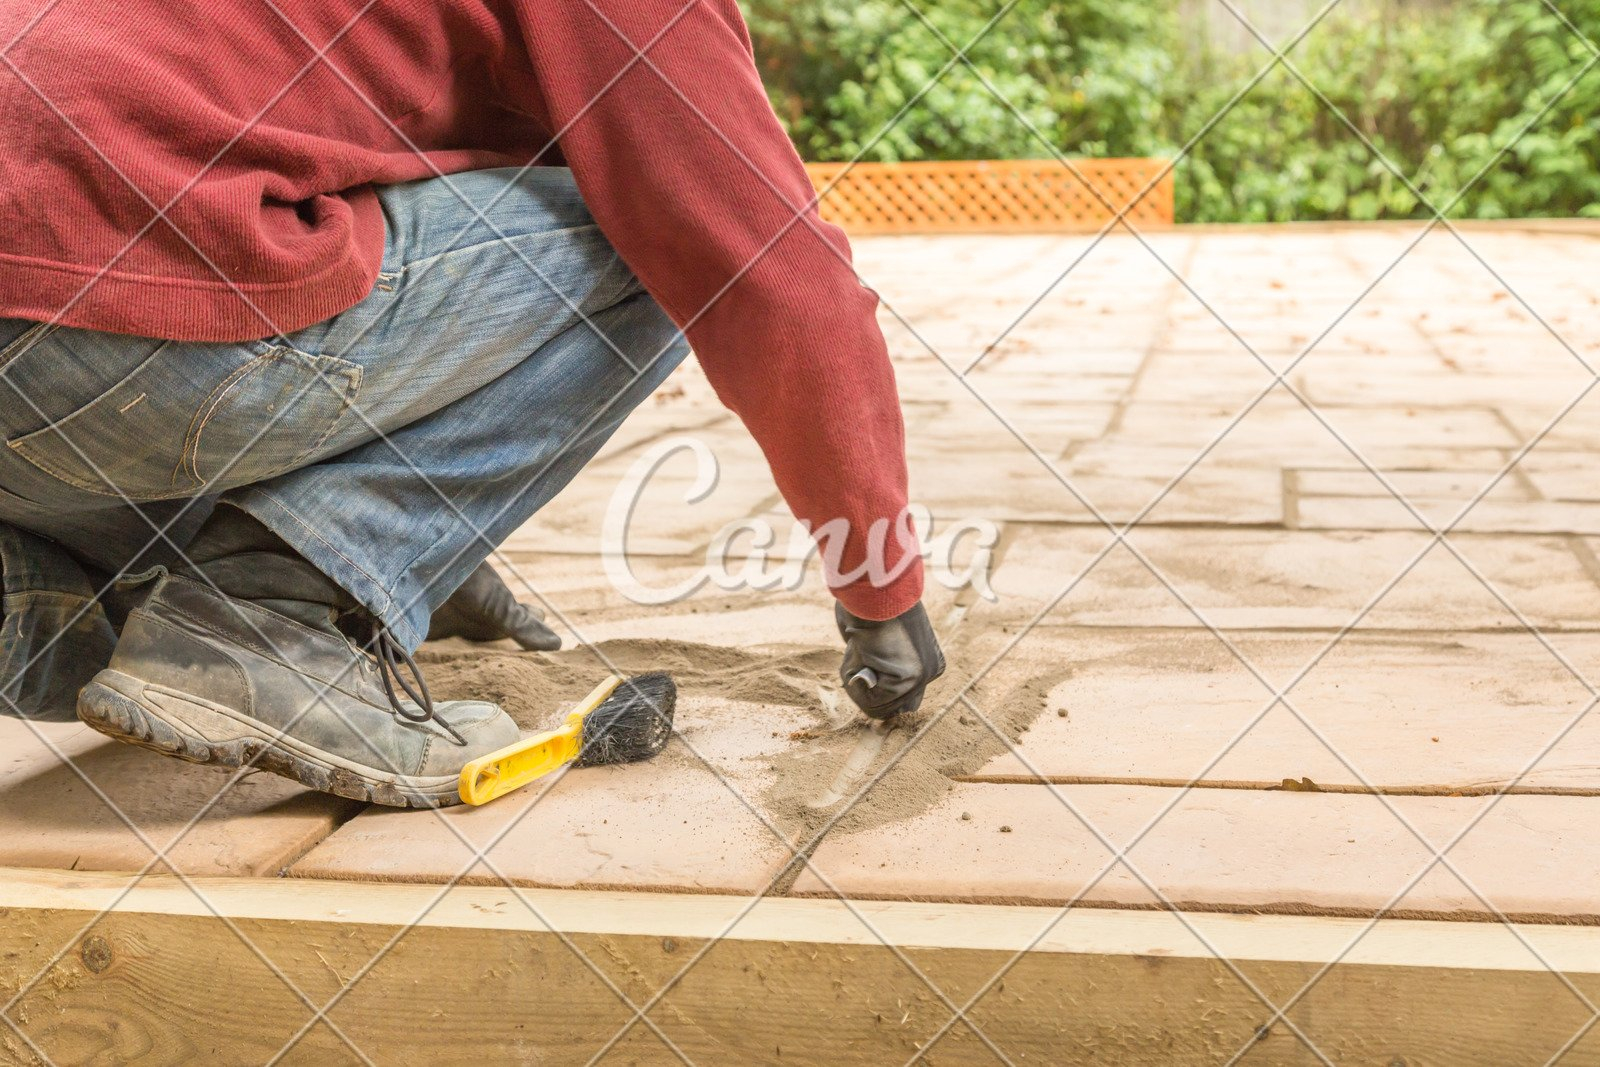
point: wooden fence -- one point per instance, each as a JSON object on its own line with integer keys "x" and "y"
{"x": 992, "y": 196}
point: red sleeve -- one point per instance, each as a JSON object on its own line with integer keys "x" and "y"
{"x": 689, "y": 174}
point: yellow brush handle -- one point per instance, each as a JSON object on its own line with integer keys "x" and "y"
{"x": 514, "y": 766}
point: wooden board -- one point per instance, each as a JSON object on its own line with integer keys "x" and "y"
{"x": 487, "y": 976}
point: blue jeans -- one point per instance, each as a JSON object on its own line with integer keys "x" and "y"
{"x": 394, "y": 445}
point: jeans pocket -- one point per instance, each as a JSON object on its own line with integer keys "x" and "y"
{"x": 178, "y": 424}
{"x": 23, "y": 336}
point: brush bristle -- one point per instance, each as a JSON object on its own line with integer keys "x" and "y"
{"x": 633, "y": 723}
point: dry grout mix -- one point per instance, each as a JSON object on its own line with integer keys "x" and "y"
{"x": 721, "y": 687}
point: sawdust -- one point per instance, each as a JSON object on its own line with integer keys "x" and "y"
{"x": 719, "y": 680}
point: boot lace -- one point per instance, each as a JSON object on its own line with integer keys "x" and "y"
{"x": 394, "y": 663}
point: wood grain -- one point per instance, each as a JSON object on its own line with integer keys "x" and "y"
{"x": 485, "y": 974}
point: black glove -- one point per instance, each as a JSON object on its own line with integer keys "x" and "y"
{"x": 483, "y": 609}
{"x": 887, "y": 665}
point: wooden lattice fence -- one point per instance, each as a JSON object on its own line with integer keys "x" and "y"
{"x": 992, "y": 196}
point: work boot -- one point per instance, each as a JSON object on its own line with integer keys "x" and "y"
{"x": 282, "y": 670}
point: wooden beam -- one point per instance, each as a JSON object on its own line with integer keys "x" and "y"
{"x": 162, "y": 980}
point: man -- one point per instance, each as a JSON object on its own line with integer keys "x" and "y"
{"x": 292, "y": 335}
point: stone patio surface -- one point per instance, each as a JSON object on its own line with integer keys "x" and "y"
{"x": 1296, "y": 542}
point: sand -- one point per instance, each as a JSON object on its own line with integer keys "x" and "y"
{"x": 925, "y": 754}
{"x": 537, "y": 688}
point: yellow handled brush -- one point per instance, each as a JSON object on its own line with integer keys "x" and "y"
{"x": 621, "y": 721}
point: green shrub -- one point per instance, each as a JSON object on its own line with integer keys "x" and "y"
{"x": 840, "y": 71}
{"x": 1438, "y": 92}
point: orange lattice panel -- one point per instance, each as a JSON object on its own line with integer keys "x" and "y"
{"x": 993, "y": 196}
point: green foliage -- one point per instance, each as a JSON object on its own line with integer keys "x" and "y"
{"x": 880, "y": 79}
{"x": 1440, "y": 95}
{"x": 1439, "y": 90}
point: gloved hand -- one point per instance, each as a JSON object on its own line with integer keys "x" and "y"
{"x": 901, "y": 653}
{"x": 483, "y": 609}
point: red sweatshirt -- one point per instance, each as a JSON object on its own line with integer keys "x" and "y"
{"x": 161, "y": 88}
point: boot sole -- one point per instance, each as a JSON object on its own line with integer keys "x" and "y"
{"x": 105, "y": 704}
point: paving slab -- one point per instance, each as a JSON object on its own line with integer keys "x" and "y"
{"x": 1228, "y": 376}
{"x": 676, "y": 822}
{"x": 1296, "y": 436}
{"x": 1281, "y": 579}
{"x": 1435, "y": 487}
{"x": 1229, "y": 484}
{"x": 1236, "y": 270}
{"x": 1003, "y": 382}
{"x": 1547, "y": 517}
{"x": 1230, "y": 850}
{"x": 1497, "y": 500}
{"x": 1053, "y": 428}
{"x": 1561, "y": 475}
{"x": 49, "y": 817}
{"x": 973, "y": 289}
{"x": 998, "y": 479}
{"x": 981, "y": 470}
{"x": 696, "y": 597}
{"x": 1578, "y": 430}
{"x": 1041, "y": 349}
{"x": 1530, "y": 390}
{"x": 1256, "y": 452}
{"x": 1414, "y": 713}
